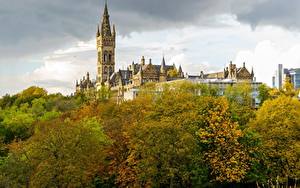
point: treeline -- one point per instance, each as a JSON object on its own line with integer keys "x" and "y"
{"x": 185, "y": 135}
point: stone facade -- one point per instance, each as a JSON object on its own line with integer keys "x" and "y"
{"x": 141, "y": 73}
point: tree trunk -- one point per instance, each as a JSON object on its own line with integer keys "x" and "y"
{"x": 257, "y": 185}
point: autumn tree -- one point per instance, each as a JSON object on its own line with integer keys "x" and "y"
{"x": 224, "y": 153}
{"x": 278, "y": 124}
{"x": 288, "y": 88}
{"x": 164, "y": 154}
{"x": 28, "y": 95}
{"x": 59, "y": 154}
{"x": 173, "y": 73}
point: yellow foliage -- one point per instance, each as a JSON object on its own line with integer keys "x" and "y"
{"x": 278, "y": 123}
{"x": 228, "y": 161}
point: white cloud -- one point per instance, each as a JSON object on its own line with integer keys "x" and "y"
{"x": 266, "y": 56}
{"x": 63, "y": 67}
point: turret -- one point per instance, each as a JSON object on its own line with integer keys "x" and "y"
{"x": 114, "y": 31}
{"x": 143, "y": 61}
{"x": 163, "y": 71}
{"x": 141, "y": 70}
{"x": 163, "y": 66}
{"x": 180, "y": 73}
{"x": 98, "y": 31}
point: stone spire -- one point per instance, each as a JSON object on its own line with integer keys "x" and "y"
{"x": 180, "y": 72}
{"x": 163, "y": 65}
{"x": 114, "y": 30}
{"x": 98, "y": 31}
{"x": 143, "y": 61}
{"x": 141, "y": 69}
{"x": 179, "y": 69}
{"x": 88, "y": 76}
{"x": 105, "y": 27}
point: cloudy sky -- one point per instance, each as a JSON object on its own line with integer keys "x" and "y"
{"x": 51, "y": 43}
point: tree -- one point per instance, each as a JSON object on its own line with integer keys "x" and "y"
{"x": 103, "y": 94}
{"x": 38, "y": 107}
{"x": 28, "y": 95}
{"x": 163, "y": 153}
{"x": 288, "y": 88}
{"x": 240, "y": 102}
{"x": 16, "y": 123}
{"x": 173, "y": 73}
{"x": 264, "y": 93}
{"x": 60, "y": 155}
{"x": 278, "y": 124}
{"x": 224, "y": 153}
{"x": 7, "y": 101}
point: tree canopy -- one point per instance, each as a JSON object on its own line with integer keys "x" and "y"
{"x": 173, "y": 135}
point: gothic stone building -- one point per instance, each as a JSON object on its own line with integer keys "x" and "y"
{"x": 135, "y": 75}
{"x": 138, "y": 74}
{"x": 231, "y": 72}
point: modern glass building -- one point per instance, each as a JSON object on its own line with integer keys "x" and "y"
{"x": 295, "y": 77}
{"x": 283, "y": 73}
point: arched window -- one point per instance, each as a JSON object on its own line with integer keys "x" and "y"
{"x": 105, "y": 70}
{"x": 111, "y": 71}
{"x": 109, "y": 57}
{"x": 105, "y": 57}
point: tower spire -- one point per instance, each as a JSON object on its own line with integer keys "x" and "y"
{"x": 105, "y": 8}
{"x": 163, "y": 65}
{"x": 105, "y": 26}
{"x": 98, "y": 31}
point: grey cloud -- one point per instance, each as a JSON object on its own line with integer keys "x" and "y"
{"x": 38, "y": 26}
{"x": 284, "y": 13}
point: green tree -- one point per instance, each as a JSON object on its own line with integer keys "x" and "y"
{"x": 240, "y": 102}
{"x": 16, "y": 123}
{"x": 264, "y": 93}
{"x": 104, "y": 94}
{"x": 7, "y": 101}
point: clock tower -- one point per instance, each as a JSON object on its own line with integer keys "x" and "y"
{"x": 106, "y": 43}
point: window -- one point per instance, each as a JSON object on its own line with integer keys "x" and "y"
{"x": 105, "y": 57}
{"x": 109, "y": 57}
{"x": 105, "y": 70}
